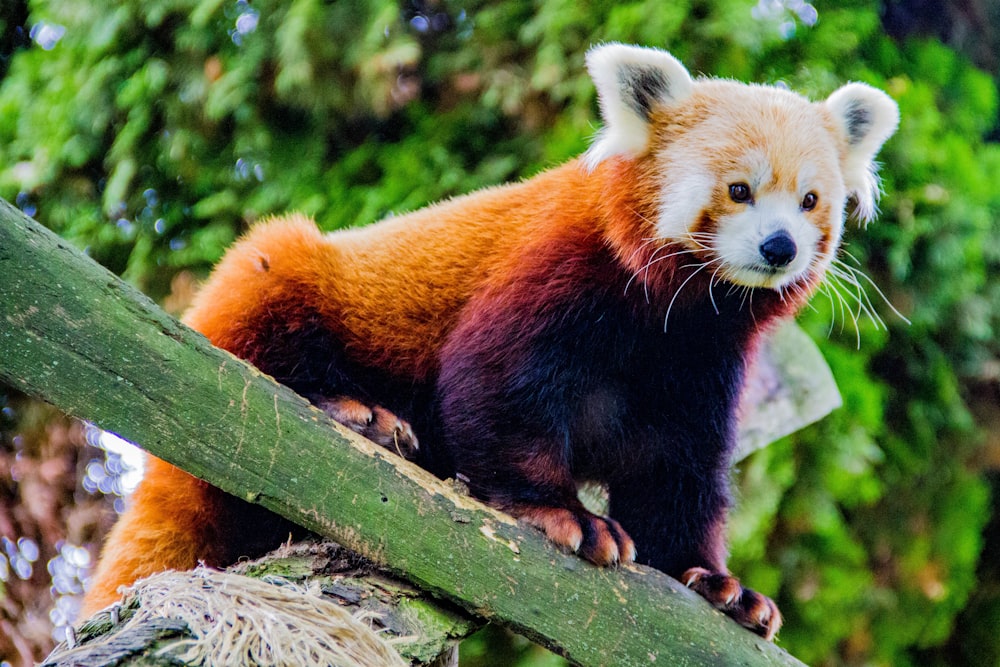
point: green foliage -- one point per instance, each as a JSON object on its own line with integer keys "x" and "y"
{"x": 155, "y": 131}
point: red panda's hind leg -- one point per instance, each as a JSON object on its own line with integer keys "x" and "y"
{"x": 600, "y": 540}
{"x": 374, "y": 422}
{"x": 748, "y": 608}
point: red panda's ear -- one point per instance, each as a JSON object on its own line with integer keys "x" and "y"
{"x": 866, "y": 117}
{"x": 631, "y": 81}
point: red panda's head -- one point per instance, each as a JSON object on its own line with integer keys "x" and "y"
{"x": 752, "y": 179}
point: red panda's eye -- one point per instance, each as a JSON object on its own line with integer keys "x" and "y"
{"x": 740, "y": 193}
{"x": 809, "y": 201}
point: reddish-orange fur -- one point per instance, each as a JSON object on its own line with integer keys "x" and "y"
{"x": 150, "y": 539}
{"x": 391, "y": 291}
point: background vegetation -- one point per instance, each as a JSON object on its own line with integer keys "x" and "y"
{"x": 153, "y": 132}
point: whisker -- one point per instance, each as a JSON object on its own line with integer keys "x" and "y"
{"x": 864, "y": 303}
{"x": 827, "y": 290}
{"x": 640, "y": 248}
{"x": 646, "y": 267}
{"x": 836, "y": 282}
{"x": 666, "y": 317}
{"x": 800, "y": 292}
{"x": 654, "y": 259}
{"x": 837, "y": 290}
{"x": 711, "y": 284}
{"x": 641, "y": 216}
{"x": 861, "y": 274}
{"x": 844, "y": 251}
{"x": 703, "y": 240}
{"x": 746, "y": 293}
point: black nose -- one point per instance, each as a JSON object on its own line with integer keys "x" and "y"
{"x": 778, "y": 249}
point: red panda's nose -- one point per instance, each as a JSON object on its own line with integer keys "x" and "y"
{"x": 778, "y": 249}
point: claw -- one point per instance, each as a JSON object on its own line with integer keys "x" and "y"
{"x": 748, "y": 608}
{"x": 374, "y": 422}
{"x": 598, "y": 539}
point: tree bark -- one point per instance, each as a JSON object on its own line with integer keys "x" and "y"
{"x": 74, "y": 335}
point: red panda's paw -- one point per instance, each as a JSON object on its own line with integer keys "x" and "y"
{"x": 600, "y": 540}
{"x": 374, "y": 422}
{"x": 748, "y": 608}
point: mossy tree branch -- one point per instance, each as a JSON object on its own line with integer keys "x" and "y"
{"x": 73, "y": 334}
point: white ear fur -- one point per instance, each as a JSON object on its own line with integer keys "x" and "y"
{"x": 867, "y": 117}
{"x": 631, "y": 81}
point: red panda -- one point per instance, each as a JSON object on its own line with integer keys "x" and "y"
{"x": 591, "y": 323}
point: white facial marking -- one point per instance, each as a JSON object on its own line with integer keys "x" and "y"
{"x": 758, "y": 170}
{"x": 775, "y": 213}
{"x": 682, "y": 201}
{"x": 740, "y": 237}
{"x": 806, "y": 177}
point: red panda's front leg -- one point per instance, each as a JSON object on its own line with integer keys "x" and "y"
{"x": 678, "y": 518}
{"x": 508, "y": 420}
{"x": 537, "y": 488}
